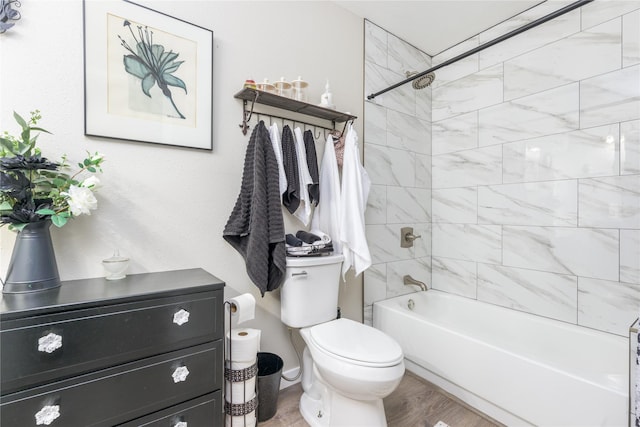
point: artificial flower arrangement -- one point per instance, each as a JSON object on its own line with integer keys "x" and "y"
{"x": 34, "y": 189}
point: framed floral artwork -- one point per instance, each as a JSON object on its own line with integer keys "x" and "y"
{"x": 147, "y": 76}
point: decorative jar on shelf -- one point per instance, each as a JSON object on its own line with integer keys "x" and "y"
{"x": 299, "y": 89}
{"x": 283, "y": 87}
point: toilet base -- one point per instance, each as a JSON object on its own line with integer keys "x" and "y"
{"x": 334, "y": 410}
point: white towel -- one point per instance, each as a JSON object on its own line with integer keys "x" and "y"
{"x": 327, "y": 214}
{"x": 325, "y": 239}
{"x": 274, "y": 134}
{"x": 355, "y": 192}
{"x": 300, "y": 249}
{"x": 303, "y": 213}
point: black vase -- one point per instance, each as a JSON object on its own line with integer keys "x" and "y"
{"x": 33, "y": 262}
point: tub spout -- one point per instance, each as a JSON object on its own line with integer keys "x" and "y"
{"x": 408, "y": 280}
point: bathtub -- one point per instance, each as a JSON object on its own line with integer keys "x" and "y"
{"x": 518, "y": 368}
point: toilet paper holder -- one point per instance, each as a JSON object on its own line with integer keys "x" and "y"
{"x": 230, "y": 408}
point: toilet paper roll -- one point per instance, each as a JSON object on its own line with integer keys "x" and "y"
{"x": 248, "y": 420}
{"x": 245, "y": 308}
{"x": 244, "y": 344}
{"x": 240, "y": 392}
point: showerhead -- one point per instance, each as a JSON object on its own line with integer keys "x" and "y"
{"x": 421, "y": 82}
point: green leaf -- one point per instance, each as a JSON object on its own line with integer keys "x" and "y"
{"x": 59, "y": 220}
{"x": 20, "y": 120}
{"x": 24, "y": 149}
{"x": 40, "y": 129}
{"x": 59, "y": 182}
{"x": 86, "y": 162}
{"x": 5, "y": 206}
{"x": 134, "y": 65}
{"x": 45, "y": 212}
{"x": 172, "y": 80}
{"x": 91, "y": 169}
{"x": 8, "y": 145}
{"x": 80, "y": 165}
{"x": 18, "y": 227}
{"x": 26, "y": 135}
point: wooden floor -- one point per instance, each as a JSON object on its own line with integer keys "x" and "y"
{"x": 415, "y": 403}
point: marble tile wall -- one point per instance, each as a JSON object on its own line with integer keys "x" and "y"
{"x": 535, "y": 195}
{"x": 520, "y": 167}
{"x": 397, "y": 156}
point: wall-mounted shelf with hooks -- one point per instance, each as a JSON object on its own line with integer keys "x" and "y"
{"x": 259, "y": 97}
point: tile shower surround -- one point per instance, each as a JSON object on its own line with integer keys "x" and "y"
{"x": 520, "y": 166}
{"x": 397, "y": 142}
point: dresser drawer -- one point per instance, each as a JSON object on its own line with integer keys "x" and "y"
{"x": 39, "y": 349}
{"x": 119, "y": 394}
{"x": 205, "y": 411}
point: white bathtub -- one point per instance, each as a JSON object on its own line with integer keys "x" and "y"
{"x": 518, "y": 368}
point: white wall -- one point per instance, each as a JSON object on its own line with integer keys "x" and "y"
{"x": 166, "y": 207}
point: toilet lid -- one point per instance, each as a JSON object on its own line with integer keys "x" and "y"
{"x": 360, "y": 344}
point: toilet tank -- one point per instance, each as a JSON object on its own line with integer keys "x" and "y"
{"x": 309, "y": 294}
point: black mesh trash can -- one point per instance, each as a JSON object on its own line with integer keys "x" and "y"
{"x": 269, "y": 371}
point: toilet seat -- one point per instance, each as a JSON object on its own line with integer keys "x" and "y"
{"x": 356, "y": 343}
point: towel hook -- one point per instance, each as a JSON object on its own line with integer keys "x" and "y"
{"x": 345, "y": 127}
{"x": 319, "y": 135}
{"x": 246, "y": 115}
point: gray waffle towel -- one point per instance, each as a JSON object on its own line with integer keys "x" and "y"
{"x": 312, "y": 162}
{"x": 255, "y": 227}
{"x": 291, "y": 197}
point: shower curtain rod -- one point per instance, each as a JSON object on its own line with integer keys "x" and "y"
{"x": 490, "y": 43}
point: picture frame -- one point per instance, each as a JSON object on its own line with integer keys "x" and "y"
{"x": 148, "y": 76}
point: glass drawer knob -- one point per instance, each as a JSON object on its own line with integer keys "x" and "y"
{"x": 181, "y": 317}
{"x": 47, "y": 415}
{"x": 180, "y": 424}
{"x": 180, "y": 374}
{"x": 49, "y": 343}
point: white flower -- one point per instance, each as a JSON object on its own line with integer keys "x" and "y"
{"x": 92, "y": 181}
{"x": 81, "y": 200}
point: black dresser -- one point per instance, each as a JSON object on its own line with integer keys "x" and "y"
{"x": 146, "y": 350}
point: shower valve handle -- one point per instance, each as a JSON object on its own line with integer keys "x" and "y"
{"x": 407, "y": 237}
{"x": 411, "y": 237}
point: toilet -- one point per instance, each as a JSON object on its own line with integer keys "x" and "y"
{"x": 348, "y": 367}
